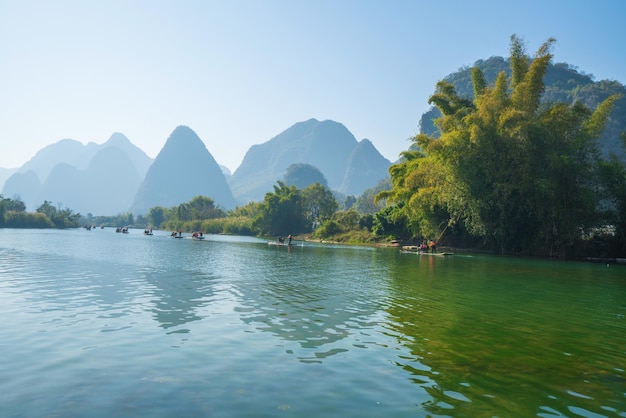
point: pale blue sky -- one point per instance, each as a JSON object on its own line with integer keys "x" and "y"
{"x": 240, "y": 72}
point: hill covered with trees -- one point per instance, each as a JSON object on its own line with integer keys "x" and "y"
{"x": 562, "y": 83}
{"x": 510, "y": 170}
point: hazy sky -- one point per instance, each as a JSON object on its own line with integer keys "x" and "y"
{"x": 241, "y": 72}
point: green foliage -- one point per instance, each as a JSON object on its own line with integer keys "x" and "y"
{"x": 122, "y": 219}
{"x": 13, "y": 215}
{"x": 234, "y": 225}
{"x": 348, "y": 203}
{"x": 328, "y": 229}
{"x": 249, "y": 210}
{"x": 516, "y": 173}
{"x": 345, "y": 227}
{"x": 282, "y": 212}
{"x": 392, "y": 223}
{"x": 366, "y": 203}
{"x": 3, "y": 210}
{"x": 187, "y": 216}
{"x": 157, "y": 215}
{"x": 613, "y": 208}
{"x": 319, "y": 203}
{"x": 21, "y": 219}
{"x": 15, "y": 204}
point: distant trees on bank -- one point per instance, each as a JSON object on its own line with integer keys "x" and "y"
{"x": 13, "y": 214}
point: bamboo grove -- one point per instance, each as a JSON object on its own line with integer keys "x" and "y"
{"x": 508, "y": 172}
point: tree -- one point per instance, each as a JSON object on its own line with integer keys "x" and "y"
{"x": 156, "y": 216}
{"x": 319, "y": 203}
{"x": 47, "y": 209}
{"x": 15, "y": 204}
{"x": 613, "y": 181}
{"x": 282, "y": 212}
{"x": 505, "y": 168}
{"x": 202, "y": 207}
{"x": 367, "y": 203}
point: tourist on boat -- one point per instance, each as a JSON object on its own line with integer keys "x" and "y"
{"x": 433, "y": 246}
{"x": 290, "y": 238}
{"x": 281, "y": 239}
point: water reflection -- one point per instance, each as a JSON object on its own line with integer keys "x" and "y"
{"x": 431, "y": 336}
{"x": 316, "y": 298}
{"x": 484, "y": 329}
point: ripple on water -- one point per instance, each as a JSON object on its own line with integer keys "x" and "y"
{"x": 125, "y": 326}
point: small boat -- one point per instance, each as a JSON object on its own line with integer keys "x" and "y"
{"x": 425, "y": 253}
{"x": 197, "y": 235}
{"x": 286, "y": 244}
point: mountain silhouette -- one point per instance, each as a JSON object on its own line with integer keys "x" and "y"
{"x": 326, "y": 145}
{"x": 25, "y": 185}
{"x": 72, "y": 153}
{"x": 5, "y": 173}
{"x": 68, "y": 151}
{"x": 112, "y": 181}
{"x": 183, "y": 169}
{"x": 106, "y": 187}
{"x": 64, "y": 187}
{"x": 365, "y": 169}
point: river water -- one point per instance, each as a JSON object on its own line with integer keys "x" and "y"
{"x": 101, "y": 324}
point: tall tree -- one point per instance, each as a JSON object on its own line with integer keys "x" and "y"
{"x": 319, "y": 203}
{"x": 282, "y": 212}
{"x": 513, "y": 172}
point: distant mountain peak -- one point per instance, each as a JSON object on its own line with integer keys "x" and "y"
{"x": 326, "y": 145}
{"x": 182, "y": 170}
{"x": 118, "y": 139}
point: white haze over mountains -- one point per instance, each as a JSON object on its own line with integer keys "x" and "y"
{"x": 116, "y": 176}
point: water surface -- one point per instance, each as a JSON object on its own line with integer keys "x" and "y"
{"x": 97, "y": 323}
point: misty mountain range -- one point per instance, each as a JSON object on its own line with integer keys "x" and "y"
{"x": 117, "y": 177}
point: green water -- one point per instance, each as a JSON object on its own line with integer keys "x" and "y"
{"x": 96, "y": 323}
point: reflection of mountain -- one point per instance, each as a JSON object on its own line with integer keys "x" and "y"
{"x": 301, "y": 302}
{"x": 178, "y": 298}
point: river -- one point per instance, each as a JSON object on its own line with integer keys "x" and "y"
{"x": 99, "y": 324}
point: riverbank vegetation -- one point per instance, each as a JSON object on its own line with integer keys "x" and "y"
{"x": 13, "y": 214}
{"x": 508, "y": 172}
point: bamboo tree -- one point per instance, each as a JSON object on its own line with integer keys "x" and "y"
{"x": 515, "y": 172}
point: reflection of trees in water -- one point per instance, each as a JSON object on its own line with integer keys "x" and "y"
{"x": 510, "y": 337}
{"x": 315, "y": 298}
